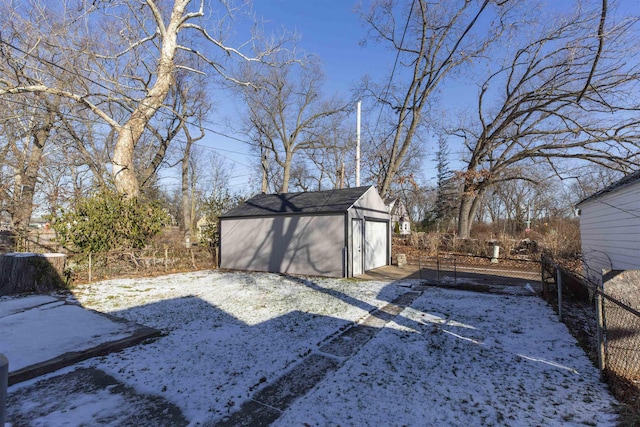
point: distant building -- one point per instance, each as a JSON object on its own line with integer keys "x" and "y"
{"x": 400, "y": 223}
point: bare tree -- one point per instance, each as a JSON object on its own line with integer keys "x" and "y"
{"x": 536, "y": 109}
{"x": 188, "y": 181}
{"x": 27, "y": 147}
{"x": 89, "y": 142}
{"x": 591, "y": 179}
{"x": 123, "y": 74}
{"x": 330, "y": 165}
{"x": 28, "y": 123}
{"x": 432, "y": 40}
{"x": 287, "y": 111}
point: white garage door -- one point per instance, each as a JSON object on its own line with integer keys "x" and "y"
{"x": 375, "y": 244}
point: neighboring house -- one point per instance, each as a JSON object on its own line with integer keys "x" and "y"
{"x": 399, "y": 216}
{"x": 610, "y": 227}
{"x": 336, "y": 233}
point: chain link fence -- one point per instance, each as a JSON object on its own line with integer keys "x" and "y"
{"x": 605, "y": 319}
{"x": 480, "y": 271}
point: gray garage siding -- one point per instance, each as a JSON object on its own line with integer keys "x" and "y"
{"x": 294, "y": 244}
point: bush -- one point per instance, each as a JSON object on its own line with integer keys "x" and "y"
{"x": 213, "y": 207}
{"x": 108, "y": 221}
{"x": 425, "y": 241}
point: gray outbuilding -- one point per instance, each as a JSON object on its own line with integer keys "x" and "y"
{"x": 334, "y": 233}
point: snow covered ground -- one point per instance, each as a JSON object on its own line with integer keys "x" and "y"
{"x": 450, "y": 358}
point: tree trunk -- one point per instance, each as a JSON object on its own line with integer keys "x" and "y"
{"x": 26, "y": 272}
{"x": 265, "y": 166}
{"x": 28, "y": 175}
{"x": 465, "y": 216}
{"x": 396, "y": 156}
{"x": 187, "y": 221}
{"x": 123, "y": 171}
{"x": 469, "y": 204}
{"x": 286, "y": 172}
{"x": 124, "y": 176}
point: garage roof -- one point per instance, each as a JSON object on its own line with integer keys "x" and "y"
{"x": 310, "y": 202}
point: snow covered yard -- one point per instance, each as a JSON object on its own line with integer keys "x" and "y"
{"x": 450, "y": 358}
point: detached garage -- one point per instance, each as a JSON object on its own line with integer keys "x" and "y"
{"x": 335, "y": 233}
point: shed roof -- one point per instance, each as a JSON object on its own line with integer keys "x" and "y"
{"x": 625, "y": 181}
{"x": 310, "y": 202}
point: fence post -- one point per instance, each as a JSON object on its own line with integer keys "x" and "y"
{"x": 455, "y": 269}
{"x": 559, "y": 283}
{"x": 4, "y": 381}
{"x": 600, "y": 321}
{"x": 166, "y": 258}
{"x": 544, "y": 282}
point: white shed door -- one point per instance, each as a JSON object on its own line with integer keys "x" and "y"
{"x": 356, "y": 254}
{"x": 375, "y": 244}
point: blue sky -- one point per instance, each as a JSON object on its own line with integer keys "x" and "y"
{"x": 332, "y": 30}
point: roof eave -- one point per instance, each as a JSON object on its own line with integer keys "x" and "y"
{"x": 616, "y": 186}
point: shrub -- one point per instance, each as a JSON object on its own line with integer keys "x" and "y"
{"x": 108, "y": 221}
{"x": 213, "y": 207}
{"x": 560, "y": 239}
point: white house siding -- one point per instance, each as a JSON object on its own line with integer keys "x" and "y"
{"x": 610, "y": 231}
{"x": 292, "y": 244}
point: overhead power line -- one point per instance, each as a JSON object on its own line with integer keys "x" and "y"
{"x": 158, "y": 110}
{"x": 395, "y": 64}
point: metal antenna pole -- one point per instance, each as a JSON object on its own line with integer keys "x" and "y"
{"x": 358, "y": 143}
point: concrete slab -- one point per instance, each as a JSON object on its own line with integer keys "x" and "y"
{"x": 41, "y": 334}
{"x": 478, "y": 279}
{"x": 250, "y": 414}
{"x": 267, "y": 405}
{"x": 297, "y": 382}
{"x": 85, "y": 397}
{"x": 350, "y": 341}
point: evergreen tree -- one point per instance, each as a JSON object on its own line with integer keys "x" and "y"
{"x": 446, "y": 197}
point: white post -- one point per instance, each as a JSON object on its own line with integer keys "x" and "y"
{"x": 495, "y": 254}
{"x": 358, "y": 143}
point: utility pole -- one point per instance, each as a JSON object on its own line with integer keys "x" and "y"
{"x": 358, "y": 143}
